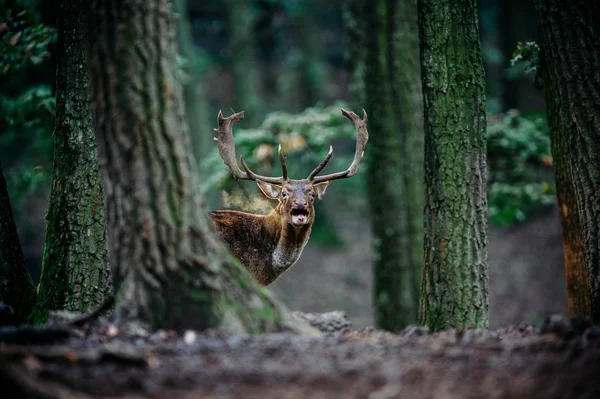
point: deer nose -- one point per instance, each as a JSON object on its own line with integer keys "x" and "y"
{"x": 300, "y": 204}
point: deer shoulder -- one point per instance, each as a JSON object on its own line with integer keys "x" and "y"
{"x": 268, "y": 245}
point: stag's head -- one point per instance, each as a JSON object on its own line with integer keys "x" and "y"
{"x": 296, "y": 197}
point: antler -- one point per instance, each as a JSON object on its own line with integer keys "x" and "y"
{"x": 362, "y": 136}
{"x": 226, "y": 147}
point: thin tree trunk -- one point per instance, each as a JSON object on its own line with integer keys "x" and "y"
{"x": 354, "y": 51}
{"x": 454, "y": 290}
{"x": 407, "y": 100}
{"x": 196, "y": 104}
{"x": 75, "y": 271}
{"x": 570, "y": 43}
{"x": 16, "y": 287}
{"x": 170, "y": 269}
{"x": 310, "y": 71}
{"x": 394, "y": 294}
{"x": 243, "y": 63}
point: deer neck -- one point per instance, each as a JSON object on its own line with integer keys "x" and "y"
{"x": 291, "y": 240}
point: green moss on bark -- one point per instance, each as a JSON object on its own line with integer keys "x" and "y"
{"x": 454, "y": 290}
{"x": 169, "y": 267}
{"x": 382, "y": 57}
{"x": 75, "y": 271}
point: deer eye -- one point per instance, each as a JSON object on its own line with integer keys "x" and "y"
{"x": 283, "y": 194}
{"x": 312, "y": 195}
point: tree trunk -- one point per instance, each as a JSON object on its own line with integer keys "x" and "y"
{"x": 75, "y": 271}
{"x": 196, "y": 104}
{"x": 570, "y": 43}
{"x": 407, "y": 99}
{"x": 354, "y": 51}
{"x": 309, "y": 69}
{"x": 195, "y": 99}
{"x": 16, "y": 287}
{"x": 454, "y": 290}
{"x": 170, "y": 269}
{"x": 394, "y": 269}
{"x": 243, "y": 63}
{"x": 578, "y": 302}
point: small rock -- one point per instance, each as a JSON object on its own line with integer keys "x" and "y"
{"x": 112, "y": 331}
{"x": 189, "y": 337}
{"x": 329, "y": 322}
{"x": 414, "y": 330}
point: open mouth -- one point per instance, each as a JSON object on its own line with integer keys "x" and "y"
{"x": 299, "y": 216}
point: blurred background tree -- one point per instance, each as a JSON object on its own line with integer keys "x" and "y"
{"x": 301, "y": 51}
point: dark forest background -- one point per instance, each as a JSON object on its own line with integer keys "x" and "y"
{"x": 284, "y": 62}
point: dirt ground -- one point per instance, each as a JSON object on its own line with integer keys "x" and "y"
{"x": 563, "y": 362}
{"x": 526, "y": 270}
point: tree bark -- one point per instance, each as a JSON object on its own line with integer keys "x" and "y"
{"x": 389, "y": 81}
{"x": 570, "y": 44}
{"x": 454, "y": 290}
{"x": 75, "y": 271}
{"x": 16, "y": 286}
{"x": 170, "y": 270}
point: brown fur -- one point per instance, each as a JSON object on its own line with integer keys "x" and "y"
{"x": 268, "y": 245}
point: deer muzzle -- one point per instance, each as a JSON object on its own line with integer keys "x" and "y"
{"x": 299, "y": 216}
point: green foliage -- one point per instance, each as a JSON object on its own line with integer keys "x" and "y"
{"x": 519, "y": 174}
{"x": 304, "y": 137}
{"x": 26, "y": 124}
{"x": 23, "y": 40}
{"x": 528, "y": 55}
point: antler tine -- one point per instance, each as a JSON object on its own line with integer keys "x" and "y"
{"x": 362, "y": 137}
{"x": 254, "y": 176}
{"x": 226, "y": 144}
{"x": 321, "y": 165}
{"x": 283, "y": 165}
{"x": 226, "y": 148}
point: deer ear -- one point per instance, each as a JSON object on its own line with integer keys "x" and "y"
{"x": 270, "y": 190}
{"x": 320, "y": 188}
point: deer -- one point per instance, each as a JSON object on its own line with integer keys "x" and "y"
{"x": 268, "y": 245}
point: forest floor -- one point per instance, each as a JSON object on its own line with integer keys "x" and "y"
{"x": 95, "y": 361}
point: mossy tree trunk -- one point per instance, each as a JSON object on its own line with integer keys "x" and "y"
{"x": 243, "y": 60}
{"x": 570, "y": 42}
{"x": 407, "y": 99}
{"x": 392, "y": 93}
{"x": 170, "y": 270}
{"x": 75, "y": 271}
{"x": 454, "y": 290}
{"x": 16, "y": 287}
